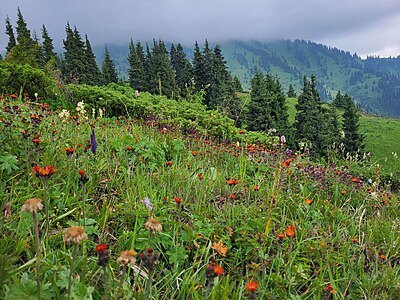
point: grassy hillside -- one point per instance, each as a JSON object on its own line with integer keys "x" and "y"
{"x": 201, "y": 219}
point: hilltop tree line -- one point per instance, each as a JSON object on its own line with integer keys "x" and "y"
{"x": 158, "y": 71}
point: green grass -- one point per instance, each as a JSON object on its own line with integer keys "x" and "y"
{"x": 346, "y": 241}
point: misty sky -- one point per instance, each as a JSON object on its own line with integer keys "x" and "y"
{"x": 363, "y": 26}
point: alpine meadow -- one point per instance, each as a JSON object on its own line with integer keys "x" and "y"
{"x": 217, "y": 170}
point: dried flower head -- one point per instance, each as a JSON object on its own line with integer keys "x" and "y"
{"x": 149, "y": 258}
{"x": 220, "y": 248}
{"x": 153, "y": 225}
{"x": 75, "y": 235}
{"x": 127, "y": 257}
{"x": 32, "y": 205}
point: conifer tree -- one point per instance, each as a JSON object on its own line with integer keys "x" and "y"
{"x": 258, "y": 117}
{"x": 198, "y": 68}
{"x": 47, "y": 45}
{"x": 108, "y": 69}
{"x": 279, "y": 111}
{"x": 219, "y": 80}
{"x": 136, "y": 70}
{"x": 353, "y": 141}
{"x": 93, "y": 74}
{"x": 208, "y": 75}
{"x": 182, "y": 68}
{"x": 237, "y": 84}
{"x": 23, "y": 33}
{"x": 291, "y": 93}
{"x": 11, "y": 37}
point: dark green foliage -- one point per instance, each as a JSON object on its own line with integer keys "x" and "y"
{"x": 341, "y": 101}
{"x": 23, "y": 33}
{"x": 160, "y": 75}
{"x": 17, "y": 78}
{"x": 353, "y": 141}
{"x": 11, "y": 37}
{"x": 137, "y": 74}
{"x": 291, "y": 93}
{"x": 108, "y": 69}
{"x": 309, "y": 123}
{"x": 47, "y": 46}
{"x": 93, "y": 74}
{"x": 267, "y": 108}
{"x": 74, "y": 57}
{"x": 198, "y": 68}
{"x": 182, "y": 69}
{"x": 237, "y": 85}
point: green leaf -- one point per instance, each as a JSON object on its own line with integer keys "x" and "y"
{"x": 8, "y": 163}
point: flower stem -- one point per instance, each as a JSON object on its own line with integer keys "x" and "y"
{"x": 74, "y": 253}
{"x": 105, "y": 282}
{"x": 37, "y": 248}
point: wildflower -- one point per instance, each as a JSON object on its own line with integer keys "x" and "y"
{"x": 146, "y": 202}
{"x": 194, "y": 153}
{"x": 252, "y": 286}
{"x": 343, "y": 192}
{"x": 168, "y": 163}
{"x": 69, "y": 151}
{"x": 200, "y": 175}
{"x": 283, "y": 139}
{"x": 32, "y": 205}
{"x": 242, "y": 131}
{"x": 220, "y": 248}
{"x": 7, "y": 211}
{"x": 127, "y": 257}
{"x": 256, "y": 188}
{"x": 290, "y": 231}
{"x": 232, "y": 197}
{"x": 75, "y": 235}
{"x": 153, "y": 225}
{"x": 231, "y": 182}
{"x": 45, "y": 171}
{"x": 218, "y": 270}
{"x": 329, "y": 289}
{"x": 83, "y": 177}
{"x": 281, "y": 236}
{"x": 93, "y": 142}
{"x": 128, "y": 148}
{"x": 104, "y": 254}
{"x": 309, "y": 201}
{"x": 178, "y": 201}
{"x": 188, "y": 166}
{"x": 149, "y": 258}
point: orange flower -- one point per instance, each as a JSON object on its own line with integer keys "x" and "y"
{"x": 220, "y": 248}
{"x": 343, "y": 192}
{"x": 290, "y": 231}
{"x": 252, "y": 286}
{"x": 37, "y": 141}
{"x": 100, "y": 248}
{"x": 218, "y": 270}
{"x": 281, "y": 236}
{"x": 45, "y": 171}
{"x": 128, "y": 148}
{"x": 69, "y": 151}
{"x": 242, "y": 131}
{"x": 232, "y": 182}
{"x": 81, "y": 172}
{"x": 168, "y": 163}
{"x": 178, "y": 200}
{"x": 194, "y": 153}
{"x": 232, "y": 196}
{"x": 256, "y": 188}
{"x": 309, "y": 201}
{"x": 355, "y": 179}
{"x": 201, "y": 176}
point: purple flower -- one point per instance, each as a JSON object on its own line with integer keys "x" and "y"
{"x": 93, "y": 143}
{"x": 146, "y": 201}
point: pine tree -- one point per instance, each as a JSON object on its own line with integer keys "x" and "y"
{"x": 23, "y": 33}
{"x": 11, "y": 37}
{"x": 108, "y": 69}
{"x": 291, "y": 93}
{"x": 136, "y": 70}
{"x": 198, "y": 68}
{"x": 353, "y": 141}
{"x": 47, "y": 45}
{"x": 208, "y": 76}
{"x": 220, "y": 79}
{"x": 93, "y": 74}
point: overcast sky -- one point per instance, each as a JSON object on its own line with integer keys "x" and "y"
{"x": 363, "y": 26}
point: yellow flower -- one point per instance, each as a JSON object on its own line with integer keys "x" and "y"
{"x": 32, "y": 205}
{"x": 75, "y": 235}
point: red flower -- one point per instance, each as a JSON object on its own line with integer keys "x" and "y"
{"x": 194, "y": 153}
{"x": 252, "y": 286}
{"x": 232, "y": 182}
{"x": 81, "y": 172}
{"x": 232, "y": 197}
{"x": 290, "y": 231}
{"x": 100, "y": 248}
{"x": 218, "y": 270}
{"x": 200, "y": 175}
{"x": 69, "y": 151}
{"x": 168, "y": 163}
{"x": 309, "y": 201}
{"x": 45, "y": 171}
{"x": 178, "y": 200}
{"x": 256, "y": 188}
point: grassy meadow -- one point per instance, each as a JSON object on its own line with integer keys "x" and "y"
{"x": 123, "y": 208}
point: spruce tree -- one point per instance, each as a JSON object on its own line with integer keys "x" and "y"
{"x": 279, "y": 110}
{"x": 291, "y": 93}
{"x": 353, "y": 141}
{"x": 237, "y": 84}
{"x": 93, "y": 74}
{"x": 219, "y": 80}
{"x": 208, "y": 75}
{"x": 23, "y": 33}
{"x": 47, "y": 45}
{"x": 258, "y": 116}
{"x": 11, "y": 37}
{"x": 198, "y": 68}
{"x": 108, "y": 69}
{"x": 136, "y": 68}
{"x": 182, "y": 68}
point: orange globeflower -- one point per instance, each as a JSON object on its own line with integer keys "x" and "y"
{"x": 290, "y": 231}
{"x": 252, "y": 286}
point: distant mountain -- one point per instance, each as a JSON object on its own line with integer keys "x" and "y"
{"x": 374, "y": 83}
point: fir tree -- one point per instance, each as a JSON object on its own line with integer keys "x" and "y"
{"x": 47, "y": 45}
{"x": 182, "y": 68}
{"x": 353, "y": 141}
{"x": 219, "y": 80}
{"x": 258, "y": 117}
{"x": 208, "y": 75}
{"x": 11, "y": 37}
{"x": 93, "y": 74}
{"x": 291, "y": 93}
{"x": 136, "y": 70}
{"x": 198, "y": 68}
{"x": 23, "y": 33}
{"x": 108, "y": 69}
{"x": 237, "y": 84}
